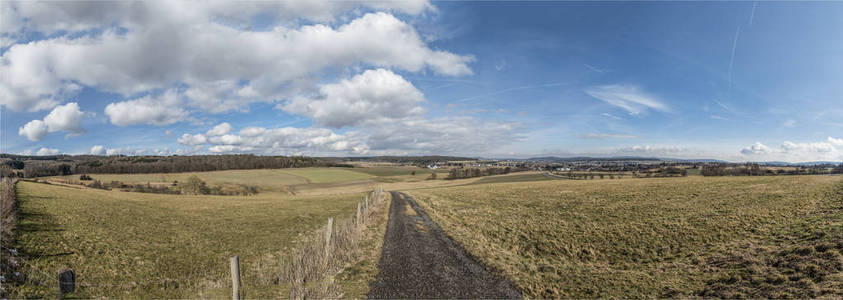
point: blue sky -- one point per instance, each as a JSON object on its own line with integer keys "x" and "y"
{"x": 741, "y": 81}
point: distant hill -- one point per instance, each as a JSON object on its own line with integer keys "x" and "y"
{"x": 620, "y": 158}
{"x": 401, "y": 159}
{"x": 807, "y": 163}
{"x": 586, "y": 158}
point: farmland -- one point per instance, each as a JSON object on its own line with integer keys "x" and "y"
{"x": 154, "y": 245}
{"x": 633, "y": 237}
{"x": 636, "y": 238}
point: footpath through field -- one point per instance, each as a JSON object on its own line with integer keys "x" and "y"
{"x": 420, "y": 261}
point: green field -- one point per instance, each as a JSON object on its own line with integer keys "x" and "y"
{"x": 327, "y": 175}
{"x": 646, "y": 238}
{"x": 124, "y": 244}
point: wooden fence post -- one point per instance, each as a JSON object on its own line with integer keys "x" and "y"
{"x": 328, "y": 235}
{"x": 235, "y": 277}
{"x": 357, "y": 219}
{"x": 67, "y": 281}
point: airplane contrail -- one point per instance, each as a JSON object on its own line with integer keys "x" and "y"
{"x": 752, "y": 14}
{"x": 732, "y": 58}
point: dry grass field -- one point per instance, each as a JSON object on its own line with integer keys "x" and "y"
{"x": 632, "y": 238}
{"x": 125, "y": 244}
{"x": 265, "y": 179}
{"x": 643, "y": 238}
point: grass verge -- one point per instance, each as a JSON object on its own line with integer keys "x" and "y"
{"x": 356, "y": 277}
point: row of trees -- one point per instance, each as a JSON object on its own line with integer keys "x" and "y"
{"x": 838, "y": 169}
{"x": 157, "y": 164}
{"x": 459, "y": 173}
{"x": 662, "y": 172}
{"x": 757, "y": 170}
{"x": 591, "y": 176}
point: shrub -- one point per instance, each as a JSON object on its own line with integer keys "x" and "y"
{"x": 194, "y": 186}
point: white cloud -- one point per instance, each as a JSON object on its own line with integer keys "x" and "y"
{"x": 98, "y": 150}
{"x": 600, "y": 136}
{"x": 287, "y": 140}
{"x": 821, "y": 147}
{"x": 829, "y": 150}
{"x": 193, "y": 139}
{"x": 454, "y": 135}
{"x": 35, "y": 130}
{"x": 111, "y": 152}
{"x": 372, "y": 95}
{"x": 49, "y": 17}
{"x": 162, "y": 152}
{"x": 162, "y": 110}
{"x": 414, "y": 135}
{"x": 630, "y": 98}
{"x": 47, "y": 151}
{"x": 220, "y": 67}
{"x": 835, "y": 142}
{"x": 221, "y": 129}
{"x": 228, "y": 139}
{"x": 755, "y": 149}
{"x": 67, "y": 118}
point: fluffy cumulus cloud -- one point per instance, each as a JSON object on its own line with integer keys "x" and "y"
{"x": 829, "y": 150}
{"x": 97, "y": 150}
{"x": 202, "y": 49}
{"x": 287, "y": 140}
{"x": 221, "y": 129}
{"x": 193, "y": 139}
{"x": 370, "y": 96}
{"x": 415, "y": 135}
{"x": 47, "y": 151}
{"x": 757, "y": 148}
{"x": 66, "y": 118}
{"x": 164, "y": 109}
{"x": 50, "y": 17}
{"x": 630, "y": 98}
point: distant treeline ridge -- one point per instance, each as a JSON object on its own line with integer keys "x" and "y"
{"x": 156, "y": 164}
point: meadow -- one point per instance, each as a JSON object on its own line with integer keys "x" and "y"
{"x": 725, "y": 237}
{"x": 265, "y": 179}
{"x": 124, "y": 244}
{"x": 692, "y": 236}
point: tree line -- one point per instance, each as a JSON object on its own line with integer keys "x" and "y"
{"x": 757, "y": 170}
{"x": 68, "y": 165}
{"x": 459, "y": 173}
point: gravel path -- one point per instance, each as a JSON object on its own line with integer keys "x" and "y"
{"x": 420, "y": 261}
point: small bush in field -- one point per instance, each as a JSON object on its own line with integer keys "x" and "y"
{"x": 194, "y": 186}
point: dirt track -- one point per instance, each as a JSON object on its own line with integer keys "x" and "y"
{"x": 420, "y": 261}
